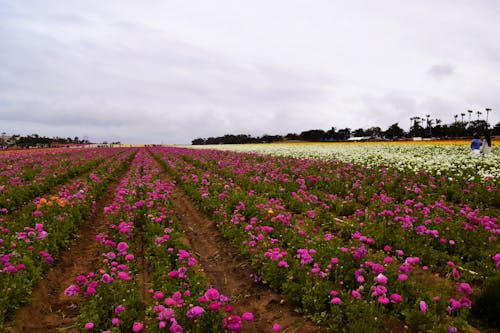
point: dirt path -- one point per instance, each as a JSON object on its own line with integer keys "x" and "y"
{"x": 51, "y": 310}
{"x": 230, "y": 273}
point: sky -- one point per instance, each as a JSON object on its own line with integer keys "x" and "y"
{"x": 170, "y": 71}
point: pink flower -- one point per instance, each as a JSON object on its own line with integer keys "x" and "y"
{"x": 276, "y": 327}
{"x": 106, "y": 278}
{"x": 119, "y": 309}
{"x": 115, "y": 321}
{"x": 195, "y": 311}
{"x": 72, "y": 290}
{"x": 465, "y": 288}
{"x": 137, "y": 327}
{"x": 124, "y": 276}
{"x": 356, "y": 294}
{"x": 381, "y": 278}
{"x": 122, "y": 246}
{"x": 336, "y": 300}
{"x": 212, "y": 294}
{"x": 283, "y": 263}
{"x": 423, "y": 306}
{"x": 232, "y": 323}
{"x": 402, "y": 277}
{"x": 89, "y": 326}
{"x": 388, "y": 260}
{"x": 383, "y": 300}
{"x": 158, "y": 295}
{"x": 247, "y": 316}
{"x": 396, "y": 298}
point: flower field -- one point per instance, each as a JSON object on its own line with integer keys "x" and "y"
{"x": 357, "y": 245}
{"x": 358, "y": 238}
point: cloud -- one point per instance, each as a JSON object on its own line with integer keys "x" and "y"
{"x": 441, "y": 71}
{"x": 174, "y": 71}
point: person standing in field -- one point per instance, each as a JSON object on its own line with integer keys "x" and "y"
{"x": 486, "y": 145}
{"x": 475, "y": 145}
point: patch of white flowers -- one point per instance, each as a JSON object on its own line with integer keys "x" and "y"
{"x": 440, "y": 159}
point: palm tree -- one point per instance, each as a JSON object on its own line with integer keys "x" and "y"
{"x": 487, "y": 112}
{"x": 470, "y": 113}
{"x": 456, "y": 117}
{"x": 478, "y": 114}
{"x": 463, "y": 115}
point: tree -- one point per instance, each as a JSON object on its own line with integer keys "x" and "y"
{"x": 330, "y": 134}
{"x": 496, "y": 129}
{"x": 292, "y": 136}
{"x": 359, "y": 132}
{"x": 343, "y": 134}
{"x": 198, "y": 141}
{"x": 394, "y": 132}
{"x": 374, "y": 132}
{"x": 477, "y": 126}
{"x": 313, "y": 135}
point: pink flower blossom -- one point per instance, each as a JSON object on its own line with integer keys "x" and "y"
{"x": 137, "y": 326}
{"x": 423, "y": 306}
{"x": 212, "y": 294}
{"x": 119, "y": 309}
{"x": 336, "y": 300}
{"x": 381, "y": 278}
{"x": 383, "y": 300}
{"x": 122, "y": 246}
{"x": 194, "y": 312}
{"x": 276, "y": 327}
{"x": 247, "y": 316}
{"x": 396, "y": 298}
{"x": 232, "y": 323}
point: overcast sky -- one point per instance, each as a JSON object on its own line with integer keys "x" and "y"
{"x": 165, "y": 71}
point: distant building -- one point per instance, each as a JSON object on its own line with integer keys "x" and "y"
{"x": 359, "y": 138}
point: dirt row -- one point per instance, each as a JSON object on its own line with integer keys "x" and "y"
{"x": 52, "y": 311}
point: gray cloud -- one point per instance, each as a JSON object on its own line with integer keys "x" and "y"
{"x": 171, "y": 72}
{"x": 440, "y": 71}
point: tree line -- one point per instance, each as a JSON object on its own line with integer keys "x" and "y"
{"x": 35, "y": 140}
{"x": 419, "y": 128}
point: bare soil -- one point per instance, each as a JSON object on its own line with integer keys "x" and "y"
{"x": 231, "y": 274}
